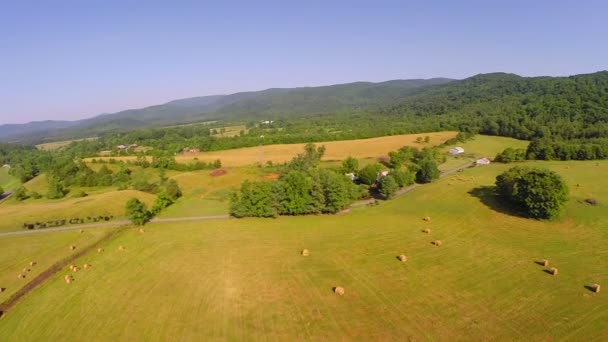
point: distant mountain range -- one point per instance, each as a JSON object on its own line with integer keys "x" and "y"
{"x": 265, "y": 104}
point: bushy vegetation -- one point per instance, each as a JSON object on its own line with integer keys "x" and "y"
{"x": 65, "y": 221}
{"x": 137, "y": 212}
{"x": 537, "y": 193}
{"x": 303, "y": 189}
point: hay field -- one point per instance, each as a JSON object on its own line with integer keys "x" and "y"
{"x": 246, "y": 280}
{"x": 43, "y": 249}
{"x": 55, "y": 145}
{"x": 336, "y": 150}
{"x": 204, "y": 194}
{"x": 14, "y": 213}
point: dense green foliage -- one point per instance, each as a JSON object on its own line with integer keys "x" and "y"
{"x": 137, "y": 212}
{"x": 510, "y": 155}
{"x": 388, "y": 186}
{"x": 303, "y": 188}
{"x": 538, "y": 193}
{"x": 427, "y": 171}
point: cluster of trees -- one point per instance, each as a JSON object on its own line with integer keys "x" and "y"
{"x": 537, "y": 193}
{"x": 138, "y": 212}
{"x": 510, "y": 155}
{"x": 304, "y": 188}
{"x": 577, "y": 149}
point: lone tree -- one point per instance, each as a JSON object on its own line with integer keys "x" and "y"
{"x": 538, "y": 193}
{"x": 388, "y": 186}
{"x": 137, "y": 212}
{"x": 428, "y": 171}
{"x": 369, "y": 173}
{"x": 349, "y": 165}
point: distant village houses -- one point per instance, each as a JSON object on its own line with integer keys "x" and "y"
{"x": 191, "y": 150}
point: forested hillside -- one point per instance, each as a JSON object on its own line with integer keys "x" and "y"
{"x": 269, "y": 104}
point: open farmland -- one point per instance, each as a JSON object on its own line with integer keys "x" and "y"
{"x": 52, "y": 146}
{"x": 14, "y": 214}
{"x": 245, "y": 279}
{"x": 336, "y": 150}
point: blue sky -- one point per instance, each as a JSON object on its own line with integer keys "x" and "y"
{"x": 75, "y": 59}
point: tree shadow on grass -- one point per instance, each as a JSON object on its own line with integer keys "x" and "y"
{"x": 487, "y": 196}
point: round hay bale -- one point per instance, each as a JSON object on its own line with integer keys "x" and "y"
{"x": 437, "y": 243}
{"x": 32, "y": 263}
{"x": 71, "y": 267}
{"x": 25, "y": 270}
{"x": 72, "y": 248}
{"x": 426, "y": 218}
{"x": 305, "y": 252}
{"x": 595, "y": 288}
{"x": 75, "y": 269}
{"x": 2, "y": 289}
{"x": 99, "y": 250}
{"x": 68, "y": 280}
{"x": 545, "y": 263}
{"x": 427, "y": 230}
{"x": 141, "y": 230}
{"x": 86, "y": 266}
{"x": 402, "y": 258}
{"x": 121, "y": 248}
{"x": 553, "y": 271}
{"x": 21, "y": 276}
{"x": 339, "y": 290}
{"x": 81, "y": 231}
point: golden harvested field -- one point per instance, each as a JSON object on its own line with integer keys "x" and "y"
{"x": 336, "y": 150}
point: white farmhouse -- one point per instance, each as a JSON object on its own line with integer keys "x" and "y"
{"x": 482, "y": 161}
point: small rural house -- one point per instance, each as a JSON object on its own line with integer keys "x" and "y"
{"x": 482, "y": 161}
{"x": 6, "y": 166}
{"x": 456, "y": 150}
{"x": 191, "y": 150}
{"x": 121, "y": 147}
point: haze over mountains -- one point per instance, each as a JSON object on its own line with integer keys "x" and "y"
{"x": 265, "y": 104}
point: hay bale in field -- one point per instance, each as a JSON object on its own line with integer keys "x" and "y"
{"x": 305, "y": 252}
{"x": 71, "y": 267}
{"x": 32, "y": 263}
{"x": 544, "y": 262}
{"x": 578, "y": 185}
{"x": 68, "y": 279}
{"x": 75, "y": 269}
{"x": 99, "y": 250}
{"x": 121, "y": 248}
{"x": 21, "y": 276}
{"x": 25, "y": 270}
{"x": 426, "y": 218}
{"x": 141, "y": 230}
{"x": 81, "y": 231}
{"x": 437, "y": 243}
{"x": 339, "y": 290}
{"x": 86, "y": 265}
{"x": 591, "y": 201}
{"x": 595, "y": 288}
{"x": 72, "y": 247}
{"x": 2, "y": 289}
{"x": 427, "y": 230}
{"x": 402, "y": 258}
{"x": 553, "y": 271}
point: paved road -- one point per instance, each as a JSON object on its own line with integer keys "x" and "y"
{"x": 197, "y": 218}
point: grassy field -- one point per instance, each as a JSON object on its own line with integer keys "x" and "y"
{"x": 58, "y": 144}
{"x": 14, "y": 213}
{"x": 44, "y": 249}
{"x": 336, "y": 150}
{"x": 230, "y": 131}
{"x": 479, "y": 147}
{"x": 245, "y": 279}
{"x": 7, "y": 182}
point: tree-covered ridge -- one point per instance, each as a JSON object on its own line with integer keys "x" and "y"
{"x": 519, "y": 107}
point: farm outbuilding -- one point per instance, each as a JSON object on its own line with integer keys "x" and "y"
{"x": 482, "y": 161}
{"x": 456, "y": 150}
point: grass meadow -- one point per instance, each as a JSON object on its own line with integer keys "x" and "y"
{"x": 240, "y": 279}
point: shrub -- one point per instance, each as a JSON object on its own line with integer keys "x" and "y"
{"x": 510, "y": 155}
{"x": 368, "y": 174}
{"x": 79, "y": 194}
{"x": 388, "y": 186}
{"x": 20, "y": 194}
